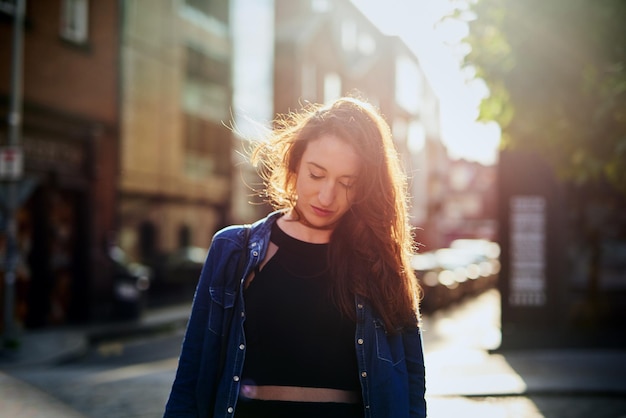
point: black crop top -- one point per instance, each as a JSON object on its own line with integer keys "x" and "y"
{"x": 295, "y": 335}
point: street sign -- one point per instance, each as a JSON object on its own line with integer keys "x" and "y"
{"x": 11, "y": 163}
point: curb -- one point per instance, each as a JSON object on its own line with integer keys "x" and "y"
{"x": 45, "y": 348}
{"x": 57, "y": 346}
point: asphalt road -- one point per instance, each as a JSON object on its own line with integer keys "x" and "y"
{"x": 129, "y": 378}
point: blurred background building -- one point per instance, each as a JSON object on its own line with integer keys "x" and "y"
{"x": 136, "y": 114}
{"x": 70, "y": 145}
{"x": 176, "y": 93}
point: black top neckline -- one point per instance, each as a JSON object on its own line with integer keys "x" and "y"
{"x": 278, "y": 235}
{"x": 302, "y": 259}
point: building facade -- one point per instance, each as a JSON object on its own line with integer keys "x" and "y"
{"x": 175, "y": 169}
{"x": 69, "y": 142}
{"x": 470, "y": 203}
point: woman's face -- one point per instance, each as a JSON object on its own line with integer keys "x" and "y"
{"x": 325, "y": 182}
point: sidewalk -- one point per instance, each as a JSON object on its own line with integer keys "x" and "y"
{"x": 18, "y": 399}
{"x": 542, "y": 372}
{"x": 458, "y": 346}
{"x": 462, "y": 359}
{"x": 21, "y": 400}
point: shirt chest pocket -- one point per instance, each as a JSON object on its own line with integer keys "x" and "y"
{"x": 389, "y": 347}
{"x": 222, "y": 303}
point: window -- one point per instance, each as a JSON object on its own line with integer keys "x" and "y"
{"x": 349, "y": 35}
{"x": 207, "y": 147}
{"x": 320, "y": 6}
{"x": 309, "y": 82}
{"x": 75, "y": 20}
{"x": 206, "y": 69}
{"x": 184, "y": 236}
{"x": 206, "y": 101}
{"x": 416, "y": 138}
{"x": 367, "y": 44}
{"x": 332, "y": 87}
{"x": 148, "y": 236}
{"x": 215, "y": 8}
{"x": 409, "y": 92}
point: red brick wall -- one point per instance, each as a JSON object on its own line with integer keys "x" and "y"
{"x": 80, "y": 80}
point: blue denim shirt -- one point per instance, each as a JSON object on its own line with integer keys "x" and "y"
{"x": 391, "y": 365}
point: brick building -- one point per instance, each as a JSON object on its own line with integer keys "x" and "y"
{"x": 70, "y": 146}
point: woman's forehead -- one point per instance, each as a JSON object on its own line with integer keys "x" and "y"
{"x": 331, "y": 152}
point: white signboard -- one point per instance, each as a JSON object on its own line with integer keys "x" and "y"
{"x": 11, "y": 163}
{"x": 528, "y": 251}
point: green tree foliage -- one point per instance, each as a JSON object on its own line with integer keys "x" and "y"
{"x": 556, "y": 70}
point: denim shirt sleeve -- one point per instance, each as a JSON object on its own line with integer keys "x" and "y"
{"x": 414, "y": 357}
{"x": 199, "y": 358}
{"x": 391, "y": 367}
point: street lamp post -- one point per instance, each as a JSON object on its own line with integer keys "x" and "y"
{"x": 13, "y": 160}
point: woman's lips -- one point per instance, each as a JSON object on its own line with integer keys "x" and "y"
{"x": 321, "y": 212}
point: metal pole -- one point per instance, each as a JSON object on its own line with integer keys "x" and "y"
{"x": 15, "y": 125}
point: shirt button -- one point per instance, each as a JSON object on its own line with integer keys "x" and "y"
{"x": 230, "y": 410}
{"x": 255, "y": 253}
{"x": 363, "y": 374}
{"x": 360, "y": 341}
{"x": 236, "y": 378}
{"x": 360, "y": 306}
{"x": 241, "y": 346}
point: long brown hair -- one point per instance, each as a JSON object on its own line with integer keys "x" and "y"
{"x": 370, "y": 248}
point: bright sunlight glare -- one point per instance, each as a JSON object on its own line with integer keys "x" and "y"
{"x": 437, "y": 44}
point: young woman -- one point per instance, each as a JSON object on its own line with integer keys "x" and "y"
{"x": 324, "y": 319}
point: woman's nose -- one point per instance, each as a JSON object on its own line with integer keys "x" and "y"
{"x": 327, "y": 194}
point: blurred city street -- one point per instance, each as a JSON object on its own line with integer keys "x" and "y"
{"x": 124, "y": 142}
{"x": 128, "y": 368}
{"x": 468, "y": 376}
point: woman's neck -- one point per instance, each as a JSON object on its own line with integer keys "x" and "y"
{"x": 298, "y": 227}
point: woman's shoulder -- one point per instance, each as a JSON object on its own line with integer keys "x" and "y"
{"x": 229, "y": 232}
{"x": 236, "y": 232}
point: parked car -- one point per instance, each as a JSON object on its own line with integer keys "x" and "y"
{"x": 184, "y": 265}
{"x": 450, "y": 274}
{"x": 131, "y": 281}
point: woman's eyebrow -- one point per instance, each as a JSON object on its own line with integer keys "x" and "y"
{"x": 316, "y": 165}
{"x": 349, "y": 176}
